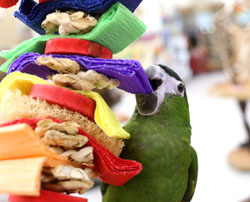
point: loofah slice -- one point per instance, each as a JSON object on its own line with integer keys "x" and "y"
{"x": 77, "y": 46}
{"x": 17, "y": 106}
{"x": 47, "y": 196}
{"x": 65, "y": 98}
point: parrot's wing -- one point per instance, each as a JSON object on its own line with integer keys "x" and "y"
{"x": 193, "y": 174}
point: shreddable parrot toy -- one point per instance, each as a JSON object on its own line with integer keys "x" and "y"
{"x": 160, "y": 129}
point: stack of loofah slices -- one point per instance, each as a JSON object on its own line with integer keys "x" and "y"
{"x": 56, "y": 134}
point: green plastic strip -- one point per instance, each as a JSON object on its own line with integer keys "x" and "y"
{"x": 116, "y": 29}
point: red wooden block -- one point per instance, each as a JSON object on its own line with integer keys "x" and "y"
{"x": 77, "y": 46}
{"x": 65, "y": 98}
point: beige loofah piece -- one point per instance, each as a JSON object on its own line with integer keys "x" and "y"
{"x": 63, "y": 172}
{"x": 84, "y": 155}
{"x": 68, "y": 127}
{"x": 68, "y": 22}
{"x": 61, "y": 65}
{"x": 56, "y": 138}
{"x": 14, "y": 106}
{"x": 63, "y": 178}
{"x": 85, "y": 81}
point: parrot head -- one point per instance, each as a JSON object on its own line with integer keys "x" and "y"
{"x": 167, "y": 86}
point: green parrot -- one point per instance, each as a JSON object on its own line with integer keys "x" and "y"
{"x": 160, "y": 140}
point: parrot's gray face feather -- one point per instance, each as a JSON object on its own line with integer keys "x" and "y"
{"x": 163, "y": 85}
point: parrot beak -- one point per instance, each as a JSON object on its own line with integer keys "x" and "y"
{"x": 146, "y": 103}
{"x": 149, "y": 104}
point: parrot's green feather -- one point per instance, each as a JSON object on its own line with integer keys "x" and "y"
{"x": 193, "y": 173}
{"x": 162, "y": 144}
{"x": 104, "y": 187}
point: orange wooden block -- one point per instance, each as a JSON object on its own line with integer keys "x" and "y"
{"x": 21, "y": 141}
{"x": 22, "y": 156}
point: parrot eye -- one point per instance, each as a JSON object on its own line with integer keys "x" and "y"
{"x": 181, "y": 89}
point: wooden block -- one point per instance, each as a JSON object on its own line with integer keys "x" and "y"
{"x": 21, "y": 176}
{"x": 21, "y": 141}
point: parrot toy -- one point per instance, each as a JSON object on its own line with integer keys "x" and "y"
{"x": 160, "y": 140}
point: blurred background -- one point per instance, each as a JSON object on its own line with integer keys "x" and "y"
{"x": 208, "y": 44}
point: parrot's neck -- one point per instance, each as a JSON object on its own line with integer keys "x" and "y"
{"x": 172, "y": 117}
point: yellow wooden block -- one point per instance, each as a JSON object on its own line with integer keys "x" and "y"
{"x": 21, "y": 176}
